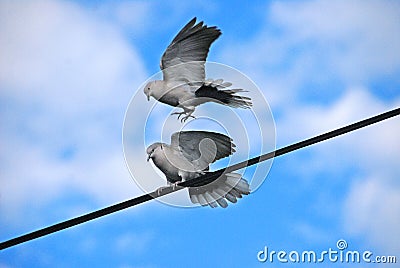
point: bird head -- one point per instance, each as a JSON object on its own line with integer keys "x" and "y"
{"x": 152, "y": 87}
{"x": 153, "y": 149}
{"x": 147, "y": 89}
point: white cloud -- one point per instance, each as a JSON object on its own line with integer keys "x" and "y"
{"x": 374, "y": 149}
{"x": 346, "y": 34}
{"x": 369, "y": 153}
{"x": 333, "y": 48}
{"x": 371, "y": 204}
{"x": 312, "y": 234}
{"x": 370, "y": 207}
{"x": 319, "y": 47}
{"x": 129, "y": 15}
{"x": 372, "y": 211}
{"x": 133, "y": 14}
{"x": 133, "y": 242}
{"x": 55, "y": 46}
{"x": 356, "y": 103}
{"x": 66, "y": 77}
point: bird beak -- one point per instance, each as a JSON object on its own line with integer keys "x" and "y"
{"x": 148, "y": 97}
{"x": 148, "y": 157}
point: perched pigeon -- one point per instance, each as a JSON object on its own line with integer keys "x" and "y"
{"x": 184, "y": 83}
{"x": 189, "y": 156}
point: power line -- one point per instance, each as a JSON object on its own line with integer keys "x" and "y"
{"x": 205, "y": 179}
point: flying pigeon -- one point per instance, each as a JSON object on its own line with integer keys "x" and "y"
{"x": 189, "y": 156}
{"x": 184, "y": 83}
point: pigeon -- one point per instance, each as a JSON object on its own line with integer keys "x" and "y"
{"x": 184, "y": 84}
{"x": 189, "y": 156}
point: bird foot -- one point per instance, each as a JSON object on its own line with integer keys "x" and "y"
{"x": 159, "y": 190}
{"x": 179, "y": 114}
{"x": 162, "y": 188}
{"x": 185, "y": 117}
{"x": 175, "y": 185}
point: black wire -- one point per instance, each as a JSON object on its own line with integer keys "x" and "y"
{"x": 205, "y": 179}
{"x": 290, "y": 148}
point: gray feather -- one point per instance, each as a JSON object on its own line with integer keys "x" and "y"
{"x": 169, "y": 159}
{"x": 235, "y": 193}
{"x": 202, "y": 199}
{"x": 194, "y": 199}
{"x": 231, "y": 198}
{"x": 191, "y": 44}
{"x": 189, "y": 142}
{"x": 222, "y": 202}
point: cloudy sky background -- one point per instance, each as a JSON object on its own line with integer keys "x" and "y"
{"x": 68, "y": 70}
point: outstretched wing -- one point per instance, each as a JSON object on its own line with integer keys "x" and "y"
{"x": 185, "y": 57}
{"x": 230, "y": 186}
{"x": 202, "y": 147}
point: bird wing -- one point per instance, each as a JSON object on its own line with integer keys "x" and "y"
{"x": 184, "y": 58}
{"x": 202, "y": 147}
{"x": 229, "y": 186}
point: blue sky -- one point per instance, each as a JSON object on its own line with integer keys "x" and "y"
{"x": 68, "y": 70}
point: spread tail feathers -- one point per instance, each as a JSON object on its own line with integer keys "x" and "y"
{"x": 214, "y": 90}
{"x": 230, "y": 186}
